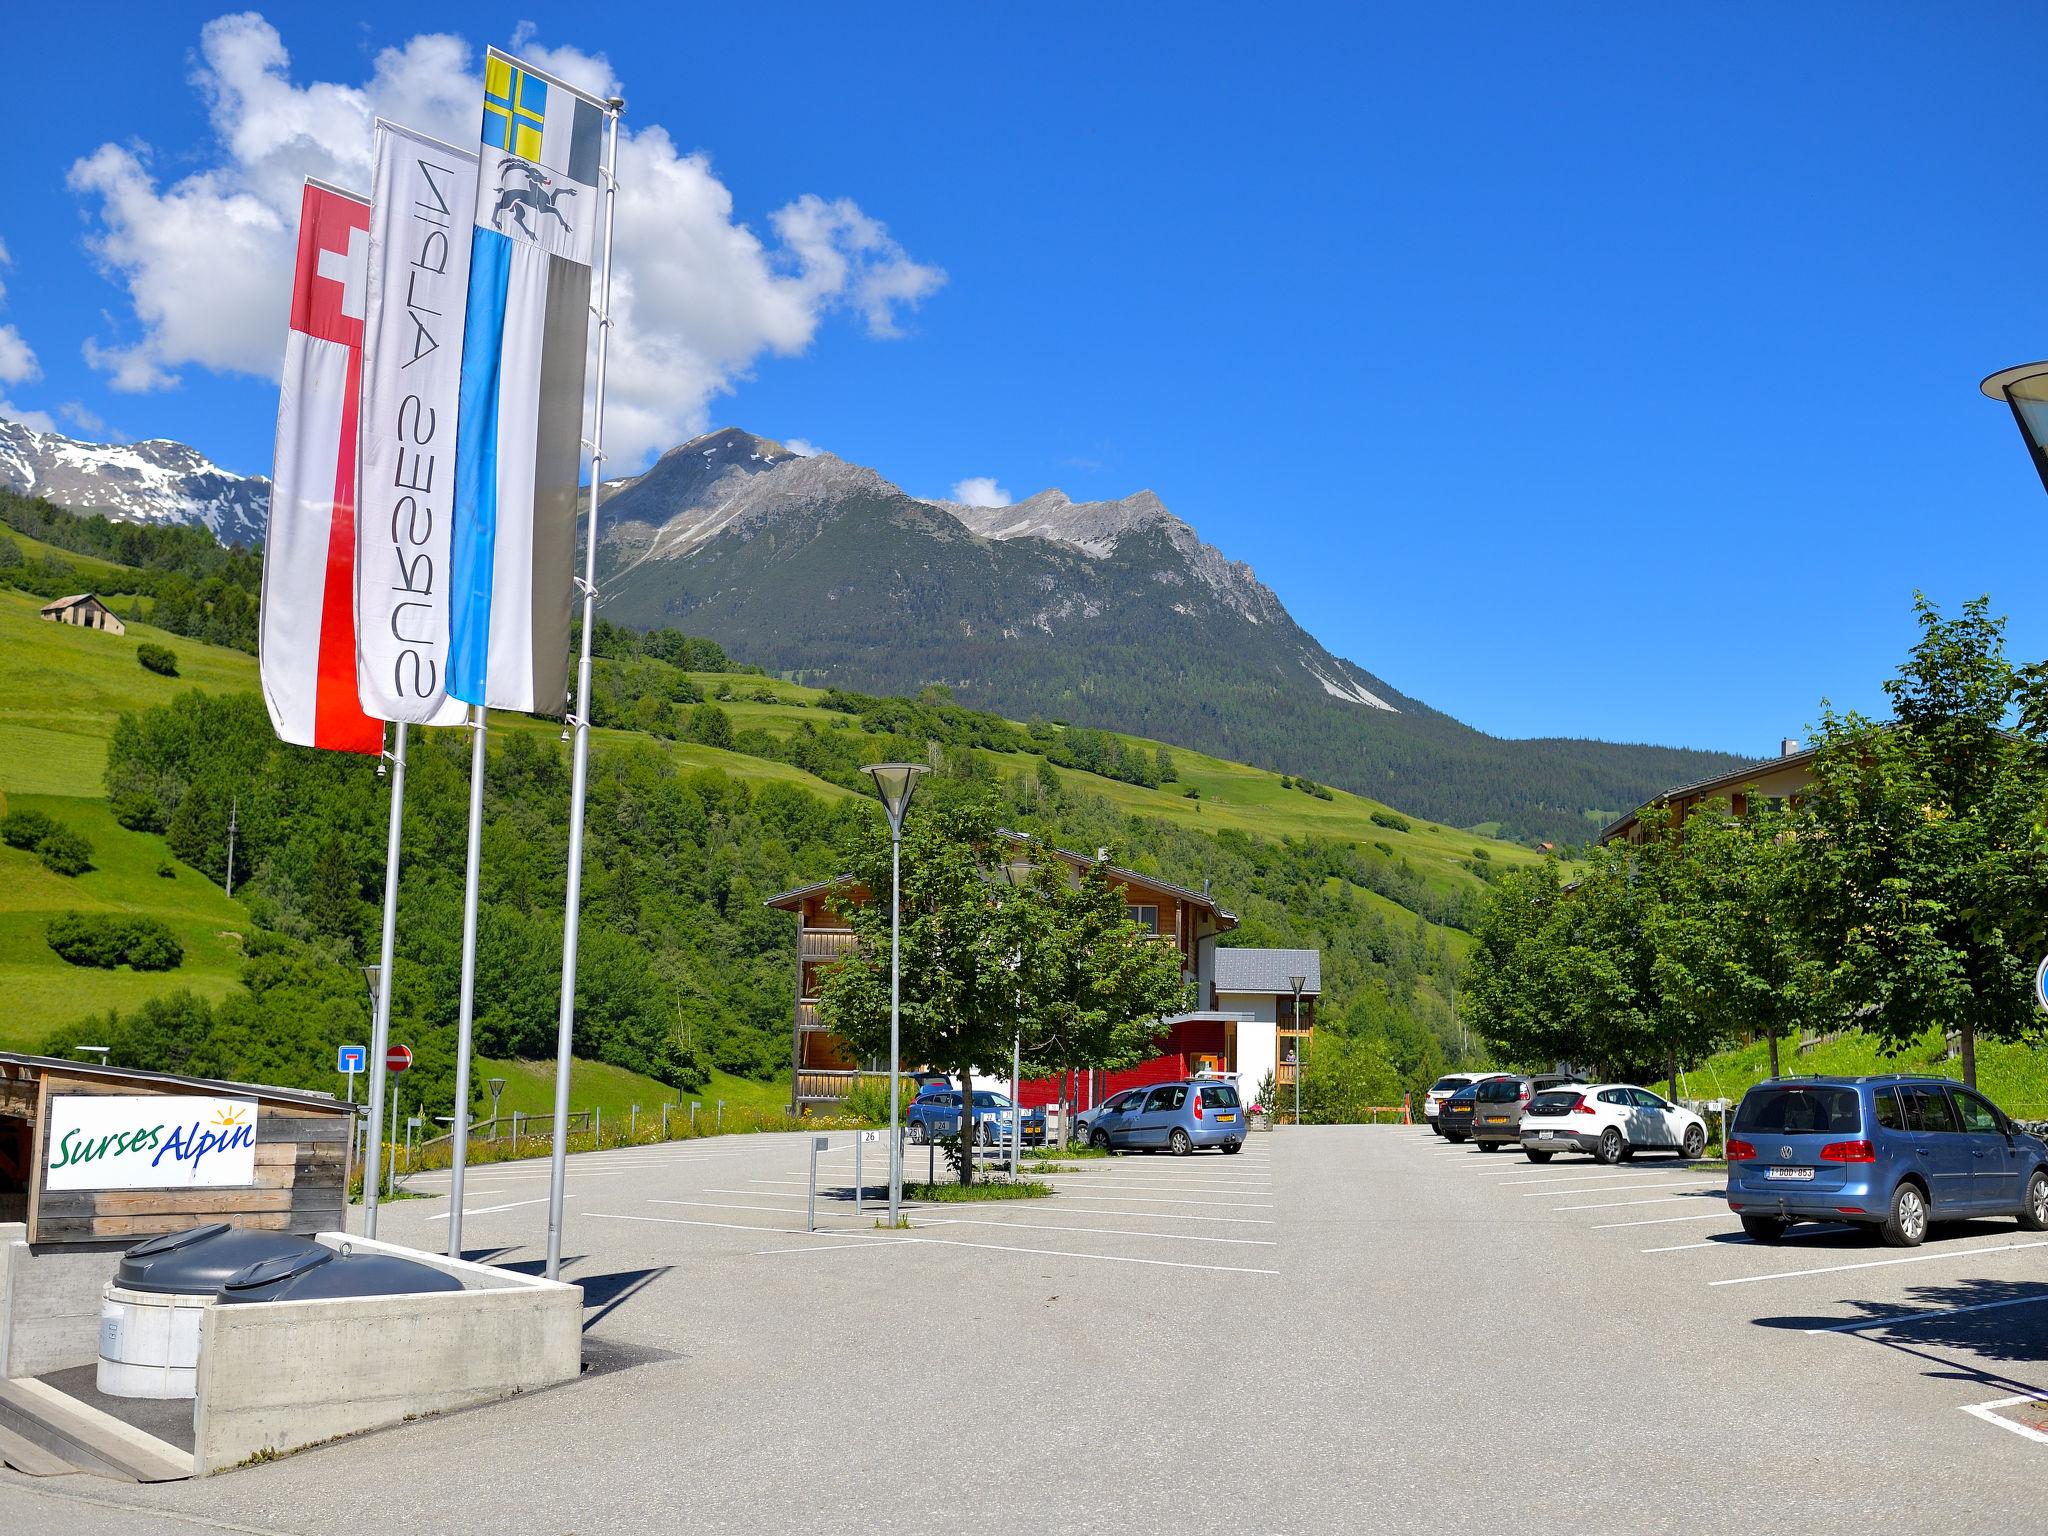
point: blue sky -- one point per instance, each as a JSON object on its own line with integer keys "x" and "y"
{"x": 1580, "y": 370}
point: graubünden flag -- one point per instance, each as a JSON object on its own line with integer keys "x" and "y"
{"x": 518, "y": 447}
{"x": 307, "y": 628}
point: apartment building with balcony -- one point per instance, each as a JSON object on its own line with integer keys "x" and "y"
{"x": 1234, "y": 1028}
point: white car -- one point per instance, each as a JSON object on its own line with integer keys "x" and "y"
{"x": 1613, "y": 1121}
{"x": 1442, "y": 1089}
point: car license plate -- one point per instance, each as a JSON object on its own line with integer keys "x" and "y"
{"x": 1795, "y": 1174}
{"x": 1496, "y": 1119}
{"x": 1228, "y": 1119}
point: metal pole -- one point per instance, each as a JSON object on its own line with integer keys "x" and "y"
{"x": 718, "y": 1119}
{"x": 380, "y": 1028}
{"x": 858, "y": 1191}
{"x": 1297, "y": 1056}
{"x": 348, "y": 1152}
{"x": 565, "y": 1028}
{"x": 895, "y": 1004}
{"x": 1016, "y": 1101}
{"x": 811, "y": 1219}
{"x": 466, "y": 1015}
{"x": 234, "y": 805}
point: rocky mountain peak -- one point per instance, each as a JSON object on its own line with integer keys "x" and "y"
{"x": 154, "y": 481}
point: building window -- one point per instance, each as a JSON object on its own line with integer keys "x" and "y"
{"x": 1146, "y": 917}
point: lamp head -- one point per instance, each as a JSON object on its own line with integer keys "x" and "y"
{"x": 2025, "y": 390}
{"x": 1297, "y": 982}
{"x": 896, "y": 783}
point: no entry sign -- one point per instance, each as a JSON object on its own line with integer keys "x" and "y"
{"x": 398, "y": 1058}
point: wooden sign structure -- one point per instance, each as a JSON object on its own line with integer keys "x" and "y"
{"x": 289, "y": 1180}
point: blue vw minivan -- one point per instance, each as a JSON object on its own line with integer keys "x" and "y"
{"x": 1892, "y": 1153}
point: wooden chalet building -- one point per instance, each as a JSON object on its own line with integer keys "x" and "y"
{"x": 1233, "y": 1028}
{"x": 85, "y": 611}
{"x": 1780, "y": 778}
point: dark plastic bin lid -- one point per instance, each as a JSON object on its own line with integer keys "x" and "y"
{"x": 323, "y": 1275}
{"x": 197, "y": 1261}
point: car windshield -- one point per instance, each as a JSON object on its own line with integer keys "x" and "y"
{"x": 1800, "y": 1111}
{"x": 1219, "y": 1098}
{"x": 1468, "y": 1093}
{"x": 1552, "y": 1103}
{"x": 986, "y": 1100}
{"x": 1446, "y": 1084}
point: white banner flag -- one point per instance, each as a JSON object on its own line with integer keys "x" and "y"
{"x": 422, "y": 217}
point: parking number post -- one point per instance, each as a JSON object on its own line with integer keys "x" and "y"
{"x": 818, "y": 1144}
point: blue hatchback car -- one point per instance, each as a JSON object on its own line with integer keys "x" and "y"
{"x": 935, "y": 1112}
{"x": 1893, "y": 1153}
{"x": 1173, "y": 1117}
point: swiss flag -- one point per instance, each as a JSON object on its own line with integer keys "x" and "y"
{"x": 307, "y": 632}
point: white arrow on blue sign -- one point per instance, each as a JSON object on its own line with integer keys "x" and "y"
{"x": 350, "y": 1058}
{"x": 2041, "y": 986}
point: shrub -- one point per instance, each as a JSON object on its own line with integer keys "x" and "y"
{"x": 1192, "y": 792}
{"x": 24, "y": 829}
{"x": 105, "y": 940}
{"x": 138, "y": 812}
{"x": 65, "y": 852}
{"x": 1392, "y": 821}
{"x": 160, "y": 659}
{"x": 166, "y": 870}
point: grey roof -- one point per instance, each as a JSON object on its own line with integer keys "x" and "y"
{"x": 309, "y": 1098}
{"x": 1267, "y": 970}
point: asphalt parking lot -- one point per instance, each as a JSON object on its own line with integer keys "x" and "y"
{"x": 1342, "y": 1328}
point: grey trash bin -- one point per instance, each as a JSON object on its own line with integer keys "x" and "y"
{"x": 149, "y": 1311}
{"x": 324, "y": 1274}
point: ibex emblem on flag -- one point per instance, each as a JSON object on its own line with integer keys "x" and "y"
{"x": 534, "y": 196}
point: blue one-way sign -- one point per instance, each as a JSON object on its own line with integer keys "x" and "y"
{"x": 350, "y": 1058}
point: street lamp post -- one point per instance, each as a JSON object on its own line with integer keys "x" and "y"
{"x": 1297, "y": 982}
{"x": 497, "y": 1086}
{"x": 895, "y": 783}
{"x": 2025, "y": 390}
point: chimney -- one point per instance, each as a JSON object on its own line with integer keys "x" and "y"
{"x": 1787, "y": 746}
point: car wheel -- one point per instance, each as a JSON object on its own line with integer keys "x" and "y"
{"x": 1906, "y": 1227}
{"x": 2034, "y": 1209}
{"x": 988, "y": 1134}
{"x": 1537, "y": 1157}
{"x": 1232, "y": 1146}
{"x": 1489, "y": 1146}
{"x": 1765, "y": 1229}
{"x": 1695, "y": 1141}
{"x": 918, "y": 1134}
{"x": 1181, "y": 1142}
{"x": 1612, "y": 1148}
{"x": 1099, "y": 1140}
{"x": 1435, "y": 1129}
{"x": 1454, "y": 1138}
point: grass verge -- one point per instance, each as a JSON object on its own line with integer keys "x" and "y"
{"x": 980, "y": 1190}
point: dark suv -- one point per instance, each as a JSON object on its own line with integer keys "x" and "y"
{"x": 1894, "y": 1153}
{"x": 1497, "y": 1107}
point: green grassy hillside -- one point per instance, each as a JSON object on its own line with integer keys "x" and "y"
{"x": 530, "y": 1089}
{"x": 63, "y": 687}
{"x": 1230, "y": 795}
{"x": 44, "y": 991}
{"x": 2015, "y": 1076}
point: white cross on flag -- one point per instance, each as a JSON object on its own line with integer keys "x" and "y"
{"x": 307, "y": 628}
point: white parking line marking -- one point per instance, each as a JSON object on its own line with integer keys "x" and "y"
{"x": 865, "y": 1242}
{"x": 1253, "y": 1205}
{"x": 1732, "y": 1241}
{"x": 1546, "y": 1194}
{"x": 723, "y": 1226}
{"x": 1660, "y": 1221}
{"x": 1237, "y": 1221}
{"x": 1905, "y": 1319}
{"x": 1039, "y": 1226}
{"x": 1918, "y": 1258}
{"x": 724, "y": 1205}
{"x": 1100, "y": 1258}
{"x": 1595, "y": 1178}
{"x": 510, "y": 1205}
{"x": 1988, "y": 1412}
{"x": 1612, "y": 1205}
{"x": 1196, "y": 1189}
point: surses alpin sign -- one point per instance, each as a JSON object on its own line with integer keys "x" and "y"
{"x": 113, "y": 1141}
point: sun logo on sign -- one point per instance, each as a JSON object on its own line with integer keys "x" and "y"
{"x": 228, "y": 1119}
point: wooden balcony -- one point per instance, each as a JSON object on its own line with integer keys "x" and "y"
{"x": 826, "y": 943}
{"x": 807, "y": 1015}
{"x": 815, "y": 1085}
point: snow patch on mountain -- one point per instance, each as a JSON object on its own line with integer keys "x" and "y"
{"x": 157, "y": 481}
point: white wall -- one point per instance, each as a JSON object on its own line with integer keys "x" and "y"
{"x": 1257, "y": 1053}
{"x": 1263, "y": 1006}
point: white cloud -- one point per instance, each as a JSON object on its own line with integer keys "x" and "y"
{"x": 980, "y": 491}
{"x": 698, "y": 297}
{"x": 802, "y": 447}
{"x": 40, "y": 420}
{"x": 76, "y": 413}
{"x": 18, "y": 363}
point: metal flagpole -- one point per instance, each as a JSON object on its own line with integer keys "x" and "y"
{"x": 459, "y": 1130}
{"x": 565, "y": 1029}
{"x": 380, "y": 1030}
